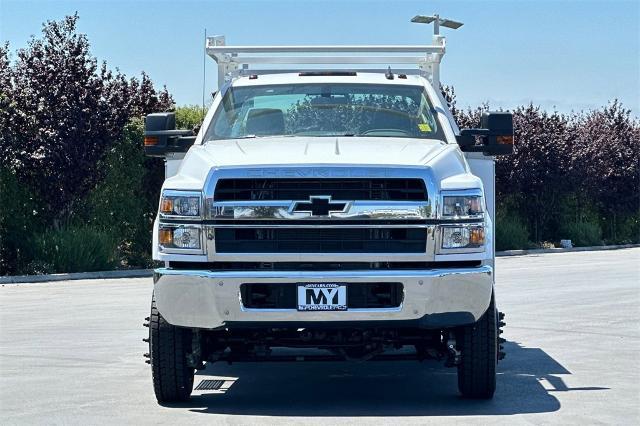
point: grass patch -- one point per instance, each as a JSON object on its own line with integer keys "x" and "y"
{"x": 77, "y": 249}
{"x": 582, "y": 234}
{"x": 511, "y": 233}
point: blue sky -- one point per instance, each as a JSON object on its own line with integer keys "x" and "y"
{"x": 563, "y": 54}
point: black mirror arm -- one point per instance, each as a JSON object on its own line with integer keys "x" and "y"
{"x": 169, "y": 133}
{"x": 182, "y": 143}
{"x": 170, "y": 141}
{"x": 467, "y": 137}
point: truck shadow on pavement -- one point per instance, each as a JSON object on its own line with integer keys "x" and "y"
{"x": 527, "y": 381}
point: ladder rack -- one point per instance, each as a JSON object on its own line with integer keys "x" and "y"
{"x": 232, "y": 60}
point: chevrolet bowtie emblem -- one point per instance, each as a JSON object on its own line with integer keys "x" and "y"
{"x": 319, "y": 206}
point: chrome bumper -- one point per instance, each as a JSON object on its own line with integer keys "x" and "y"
{"x": 432, "y": 298}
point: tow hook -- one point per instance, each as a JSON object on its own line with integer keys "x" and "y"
{"x": 455, "y": 356}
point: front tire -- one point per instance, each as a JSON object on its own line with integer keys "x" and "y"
{"x": 478, "y": 344}
{"x": 169, "y": 346}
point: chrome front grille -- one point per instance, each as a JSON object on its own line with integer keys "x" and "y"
{"x": 335, "y": 213}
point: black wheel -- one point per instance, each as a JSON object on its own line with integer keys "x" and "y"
{"x": 479, "y": 347}
{"x": 169, "y": 346}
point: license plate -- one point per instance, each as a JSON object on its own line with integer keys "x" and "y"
{"x": 322, "y": 297}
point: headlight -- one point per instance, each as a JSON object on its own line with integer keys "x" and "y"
{"x": 462, "y": 237}
{"x": 180, "y": 204}
{"x": 180, "y": 239}
{"x": 462, "y": 206}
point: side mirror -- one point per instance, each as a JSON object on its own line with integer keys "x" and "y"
{"x": 161, "y": 136}
{"x": 495, "y": 137}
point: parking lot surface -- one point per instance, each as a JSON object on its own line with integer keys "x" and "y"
{"x": 71, "y": 353}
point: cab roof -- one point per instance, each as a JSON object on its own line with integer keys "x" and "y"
{"x": 325, "y": 76}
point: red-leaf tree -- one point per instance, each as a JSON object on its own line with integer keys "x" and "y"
{"x": 64, "y": 112}
{"x": 604, "y": 162}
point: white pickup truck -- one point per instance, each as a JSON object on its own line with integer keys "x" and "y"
{"x": 338, "y": 208}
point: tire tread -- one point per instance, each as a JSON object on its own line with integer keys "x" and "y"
{"x": 477, "y": 370}
{"x": 172, "y": 377}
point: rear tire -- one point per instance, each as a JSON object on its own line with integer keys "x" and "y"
{"x": 478, "y": 345}
{"x": 169, "y": 346}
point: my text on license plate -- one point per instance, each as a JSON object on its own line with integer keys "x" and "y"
{"x": 322, "y": 297}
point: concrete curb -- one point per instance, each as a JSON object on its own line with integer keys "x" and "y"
{"x": 123, "y": 273}
{"x": 562, "y": 250}
{"x": 143, "y": 273}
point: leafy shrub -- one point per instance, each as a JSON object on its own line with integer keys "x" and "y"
{"x": 19, "y": 218}
{"x": 511, "y": 233}
{"x": 189, "y": 117}
{"x": 628, "y": 230}
{"x": 125, "y": 201}
{"x": 582, "y": 234}
{"x": 75, "y": 249}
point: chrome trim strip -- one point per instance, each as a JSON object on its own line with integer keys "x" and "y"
{"x": 372, "y": 310}
{"x": 323, "y": 257}
{"x": 362, "y": 275}
{"x": 283, "y": 210}
{"x": 315, "y": 226}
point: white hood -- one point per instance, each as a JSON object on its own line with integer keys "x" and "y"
{"x": 322, "y": 150}
{"x": 301, "y": 151}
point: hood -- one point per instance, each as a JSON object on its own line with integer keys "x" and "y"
{"x": 321, "y": 150}
{"x": 302, "y": 151}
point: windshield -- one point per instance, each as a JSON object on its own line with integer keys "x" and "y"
{"x": 324, "y": 110}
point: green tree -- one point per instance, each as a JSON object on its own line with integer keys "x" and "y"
{"x": 189, "y": 117}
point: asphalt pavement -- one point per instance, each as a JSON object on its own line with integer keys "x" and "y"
{"x": 71, "y": 353}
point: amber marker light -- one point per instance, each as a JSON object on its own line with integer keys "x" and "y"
{"x": 150, "y": 140}
{"x": 166, "y": 206}
{"x": 505, "y": 140}
{"x": 476, "y": 236}
{"x": 165, "y": 237}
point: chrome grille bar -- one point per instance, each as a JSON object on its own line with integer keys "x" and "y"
{"x": 283, "y": 210}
